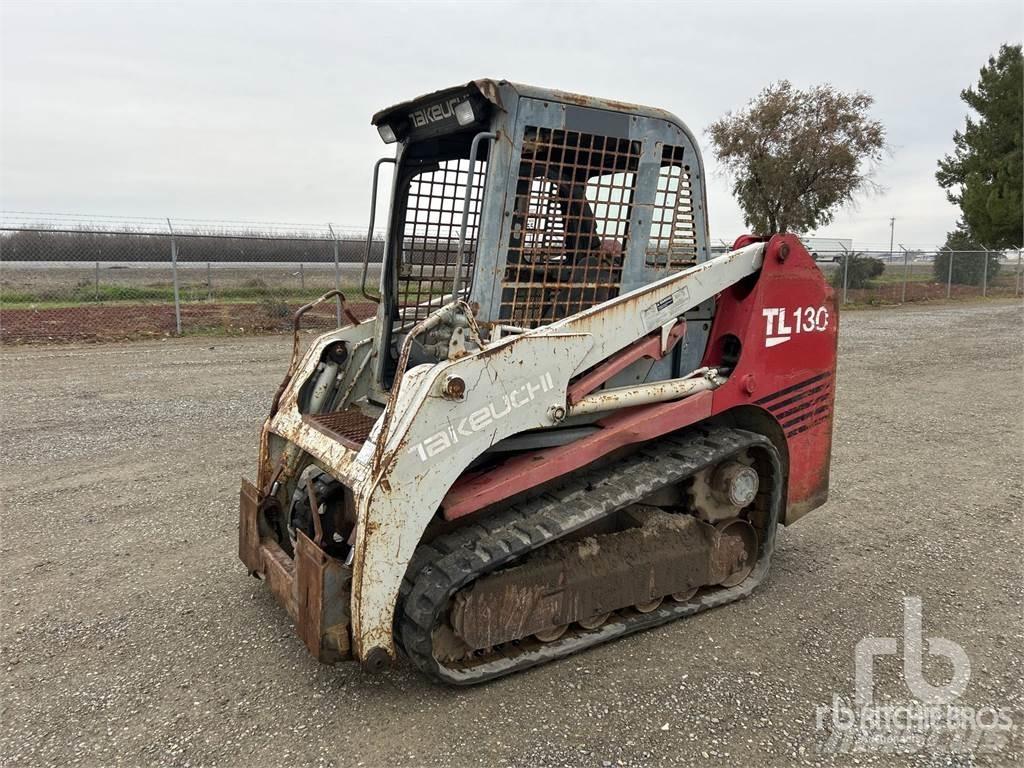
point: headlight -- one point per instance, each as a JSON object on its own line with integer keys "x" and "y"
{"x": 464, "y": 113}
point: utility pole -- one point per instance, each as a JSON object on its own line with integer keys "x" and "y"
{"x": 892, "y": 232}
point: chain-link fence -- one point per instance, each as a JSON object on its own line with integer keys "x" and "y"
{"x": 78, "y": 281}
{"x": 90, "y": 285}
{"x": 879, "y": 277}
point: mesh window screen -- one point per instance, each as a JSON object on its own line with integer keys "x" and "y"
{"x": 430, "y": 236}
{"x": 571, "y": 226}
{"x": 673, "y": 241}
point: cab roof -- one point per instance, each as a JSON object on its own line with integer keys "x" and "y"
{"x": 495, "y": 91}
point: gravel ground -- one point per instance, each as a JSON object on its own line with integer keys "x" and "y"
{"x": 132, "y": 635}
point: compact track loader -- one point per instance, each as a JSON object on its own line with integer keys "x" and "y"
{"x": 567, "y": 421}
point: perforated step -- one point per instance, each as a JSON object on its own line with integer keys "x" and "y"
{"x": 350, "y": 426}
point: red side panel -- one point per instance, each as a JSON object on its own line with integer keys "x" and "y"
{"x": 786, "y": 322}
{"x": 783, "y": 321}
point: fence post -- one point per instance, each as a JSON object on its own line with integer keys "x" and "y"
{"x": 174, "y": 274}
{"x": 949, "y": 277}
{"x": 302, "y": 277}
{"x": 209, "y": 283}
{"x": 906, "y": 273}
{"x": 846, "y": 270}
{"x": 984, "y": 275}
{"x": 1017, "y": 289}
{"x": 97, "y": 281}
{"x": 337, "y": 277}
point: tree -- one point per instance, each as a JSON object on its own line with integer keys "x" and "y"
{"x": 797, "y": 156}
{"x": 858, "y": 273}
{"x": 968, "y": 259}
{"x": 985, "y": 173}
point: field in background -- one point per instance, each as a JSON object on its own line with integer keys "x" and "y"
{"x": 110, "y": 301}
{"x": 91, "y": 285}
{"x": 922, "y": 285}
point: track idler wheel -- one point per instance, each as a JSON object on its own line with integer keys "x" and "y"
{"x": 685, "y": 597}
{"x": 594, "y": 621}
{"x": 550, "y": 635}
{"x": 737, "y": 546}
{"x": 649, "y": 606}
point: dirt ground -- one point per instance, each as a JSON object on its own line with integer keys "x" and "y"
{"x": 132, "y": 635}
{"x": 119, "y": 322}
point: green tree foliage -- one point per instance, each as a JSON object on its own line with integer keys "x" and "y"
{"x": 968, "y": 260}
{"x": 985, "y": 173}
{"x": 859, "y": 273}
{"x": 796, "y": 156}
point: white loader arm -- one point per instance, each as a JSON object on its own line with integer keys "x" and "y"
{"x": 512, "y": 385}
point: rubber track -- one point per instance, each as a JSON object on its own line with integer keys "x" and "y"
{"x": 447, "y": 564}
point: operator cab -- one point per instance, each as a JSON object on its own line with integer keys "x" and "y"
{"x": 566, "y": 202}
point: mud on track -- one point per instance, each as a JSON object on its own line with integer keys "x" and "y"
{"x": 130, "y": 632}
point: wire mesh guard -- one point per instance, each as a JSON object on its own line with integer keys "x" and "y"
{"x": 673, "y": 239}
{"x": 430, "y": 236}
{"x": 571, "y": 225}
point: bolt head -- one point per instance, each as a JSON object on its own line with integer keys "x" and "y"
{"x": 737, "y": 483}
{"x": 454, "y": 388}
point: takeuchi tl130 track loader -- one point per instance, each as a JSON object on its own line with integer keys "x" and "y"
{"x": 567, "y": 420}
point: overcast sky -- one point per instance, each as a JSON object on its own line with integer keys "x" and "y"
{"x": 261, "y": 112}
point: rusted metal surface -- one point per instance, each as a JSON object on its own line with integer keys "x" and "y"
{"x": 476, "y": 492}
{"x": 293, "y": 361}
{"x": 248, "y": 527}
{"x": 711, "y": 490}
{"x": 313, "y": 587}
{"x": 289, "y": 429}
{"x": 278, "y": 570}
{"x": 673, "y": 241}
{"x": 349, "y": 426}
{"x": 492, "y": 89}
{"x": 322, "y": 587}
{"x": 735, "y": 551}
{"x": 650, "y": 347}
{"x": 593, "y": 102}
{"x": 620, "y": 321}
{"x": 489, "y": 89}
{"x": 429, "y": 443}
{"x": 645, "y": 394}
{"x": 579, "y": 581}
{"x": 314, "y": 511}
{"x": 571, "y": 227}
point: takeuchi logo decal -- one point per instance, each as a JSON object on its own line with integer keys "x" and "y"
{"x": 434, "y": 113}
{"x": 782, "y": 323}
{"x": 482, "y": 418}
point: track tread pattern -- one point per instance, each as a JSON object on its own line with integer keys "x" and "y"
{"x": 449, "y": 563}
